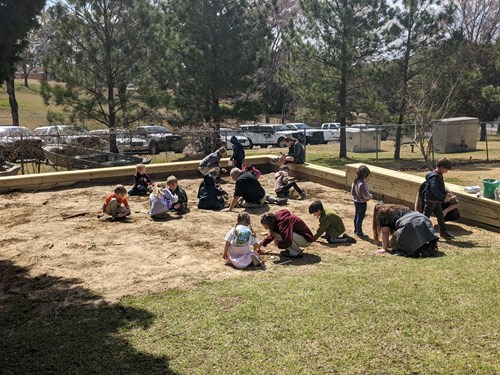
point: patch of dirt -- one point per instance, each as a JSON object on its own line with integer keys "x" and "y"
{"x": 57, "y": 233}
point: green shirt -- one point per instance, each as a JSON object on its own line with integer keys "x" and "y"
{"x": 331, "y": 223}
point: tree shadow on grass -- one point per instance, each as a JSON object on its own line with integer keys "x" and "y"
{"x": 53, "y": 325}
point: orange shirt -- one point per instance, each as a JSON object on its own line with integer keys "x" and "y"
{"x": 120, "y": 200}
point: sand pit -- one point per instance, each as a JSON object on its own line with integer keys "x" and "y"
{"x": 57, "y": 233}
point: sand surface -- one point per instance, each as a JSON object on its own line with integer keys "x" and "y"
{"x": 56, "y": 233}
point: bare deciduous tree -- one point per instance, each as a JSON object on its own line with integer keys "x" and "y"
{"x": 478, "y": 20}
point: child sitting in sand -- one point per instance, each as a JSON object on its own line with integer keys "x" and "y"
{"x": 161, "y": 201}
{"x": 282, "y": 186}
{"x": 210, "y": 196}
{"x": 330, "y": 223}
{"x": 238, "y": 242}
{"x": 116, "y": 205}
{"x": 181, "y": 205}
{"x": 142, "y": 183}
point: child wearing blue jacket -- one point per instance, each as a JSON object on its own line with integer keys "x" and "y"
{"x": 238, "y": 152}
{"x": 210, "y": 197}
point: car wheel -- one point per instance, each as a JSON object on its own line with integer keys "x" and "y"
{"x": 280, "y": 142}
{"x": 197, "y": 147}
{"x": 154, "y": 148}
{"x": 250, "y": 144}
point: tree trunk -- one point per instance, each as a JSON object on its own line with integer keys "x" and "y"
{"x": 26, "y": 74}
{"x": 482, "y": 134}
{"x": 112, "y": 119}
{"x": 14, "y": 107}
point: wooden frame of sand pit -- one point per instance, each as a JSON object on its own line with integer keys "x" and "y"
{"x": 387, "y": 185}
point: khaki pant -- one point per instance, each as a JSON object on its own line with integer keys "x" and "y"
{"x": 298, "y": 241}
{"x": 114, "y": 208}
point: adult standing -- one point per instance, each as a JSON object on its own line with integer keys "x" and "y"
{"x": 212, "y": 161}
{"x": 238, "y": 152}
{"x": 288, "y": 231}
{"x": 296, "y": 152}
{"x": 248, "y": 191}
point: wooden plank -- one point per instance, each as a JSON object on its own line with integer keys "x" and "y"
{"x": 55, "y": 179}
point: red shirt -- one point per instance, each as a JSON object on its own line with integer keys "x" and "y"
{"x": 288, "y": 224}
{"x": 120, "y": 200}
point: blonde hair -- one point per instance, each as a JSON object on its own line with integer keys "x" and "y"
{"x": 158, "y": 189}
{"x": 171, "y": 179}
{"x": 138, "y": 167}
{"x": 120, "y": 189}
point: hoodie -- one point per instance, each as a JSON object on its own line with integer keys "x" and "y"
{"x": 209, "y": 193}
{"x": 238, "y": 151}
{"x": 288, "y": 224}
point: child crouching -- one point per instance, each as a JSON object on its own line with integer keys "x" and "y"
{"x": 238, "y": 242}
{"x": 116, "y": 205}
{"x": 161, "y": 201}
{"x": 329, "y": 222}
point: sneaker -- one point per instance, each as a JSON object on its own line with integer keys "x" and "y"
{"x": 447, "y": 236}
{"x": 287, "y": 254}
{"x": 281, "y": 201}
{"x": 362, "y": 235}
{"x": 302, "y": 196}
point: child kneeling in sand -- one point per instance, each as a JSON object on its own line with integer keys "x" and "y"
{"x": 238, "y": 241}
{"x": 116, "y": 205}
{"x": 329, "y": 222}
{"x": 161, "y": 201}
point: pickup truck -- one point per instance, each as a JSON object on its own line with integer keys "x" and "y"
{"x": 313, "y": 136}
{"x": 331, "y": 131}
{"x": 268, "y": 134}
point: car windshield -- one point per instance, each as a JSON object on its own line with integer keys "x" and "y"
{"x": 15, "y": 132}
{"x": 302, "y": 126}
{"x": 280, "y": 127}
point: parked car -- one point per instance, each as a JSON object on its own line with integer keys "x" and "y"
{"x": 160, "y": 139}
{"x": 17, "y": 142}
{"x": 126, "y": 141}
{"x": 227, "y": 133}
{"x": 269, "y": 134}
{"x": 331, "y": 131}
{"x": 69, "y": 134}
{"x": 313, "y": 136}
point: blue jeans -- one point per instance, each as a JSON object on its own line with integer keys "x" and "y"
{"x": 359, "y": 216}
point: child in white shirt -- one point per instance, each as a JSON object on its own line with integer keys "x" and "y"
{"x": 239, "y": 239}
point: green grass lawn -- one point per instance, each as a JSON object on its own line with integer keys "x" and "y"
{"x": 347, "y": 315}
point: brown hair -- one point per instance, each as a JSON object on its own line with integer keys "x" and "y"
{"x": 269, "y": 219}
{"x": 362, "y": 173}
{"x": 120, "y": 189}
{"x": 444, "y": 163}
{"x": 386, "y": 215}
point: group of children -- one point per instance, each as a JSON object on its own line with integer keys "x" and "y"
{"x": 164, "y": 197}
{"x": 241, "y": 247}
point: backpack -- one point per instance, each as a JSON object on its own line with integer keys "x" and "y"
{"x": 421, "y": 194}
